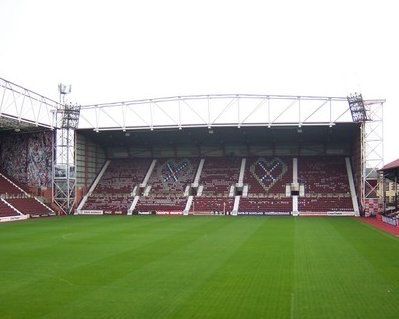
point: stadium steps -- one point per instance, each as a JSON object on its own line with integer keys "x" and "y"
{"x": 7, "y": 186}
{"x": 133, "y": 206}
{"x": 93, "y": 186}
{"x": 199, "y": 172}
{"x": 242, "y": 172}
{"x": 19, "y": 201}
{"x": 236, "y": 204}
{"x": 8, "y": 210}
{"x": 188, "y": 205}
{"x": 352, "y": 186}
{"x": 149, "y": 173}
{"x": 31, "y": 206}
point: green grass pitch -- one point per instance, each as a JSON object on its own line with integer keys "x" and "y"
{"x": 197, "y": 267}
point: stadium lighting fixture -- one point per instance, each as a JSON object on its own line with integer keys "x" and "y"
{"x": 63, "y": 90}
{"x": 356, "y": 106}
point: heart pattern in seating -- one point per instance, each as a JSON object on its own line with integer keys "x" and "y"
{"x": 172, "y": 172}
{"x": 268, "y": 173}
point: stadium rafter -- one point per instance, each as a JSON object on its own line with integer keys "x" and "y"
{"x": 217, "y": 111}
{"x": 26, "y": 107}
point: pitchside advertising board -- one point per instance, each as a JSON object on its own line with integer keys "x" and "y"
{"x": 90, "y": 212}
{"x": 331, "y": 213}
{"x": 109, "y": 212}
{"x": 173, "y": 213}
{"x": 390, "y": 220}
{"x": 180, "y": 213}
{"x": 13, "y": 218}
{"x": 263, "y": 213}
{"x": 162, "y": 213}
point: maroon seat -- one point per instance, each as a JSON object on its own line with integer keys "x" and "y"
{"x": 266, "y": 178}
{"x": 113, "y": 192}
{"x": 6, "y": 210}
{"x": 6, "y": 187}
{"x": 326, "y": 184}
{"x": 30, "y": 205}
{"x": 218, "y": 175}
{"x": 168, "y": 182}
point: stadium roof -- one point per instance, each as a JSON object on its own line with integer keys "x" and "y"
{"x": 23, "y": 109}
{"x": 12, "y": 124}
{"x": 391, "y": 170}
{"x": 392, "y": 165}
{"x": 237, "y": 110}
{"x": 341, "y": 134}
{"x": 176, "y": 112}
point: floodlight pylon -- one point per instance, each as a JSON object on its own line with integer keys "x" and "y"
{"x": 370, "y": 115}
{"x": 67, "y": 118}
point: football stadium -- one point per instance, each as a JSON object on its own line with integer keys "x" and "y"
{"x": 203, "y": 206}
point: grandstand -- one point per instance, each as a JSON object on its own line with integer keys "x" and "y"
{"x": 193, "y": 155}
{"x": 230, "y": 171}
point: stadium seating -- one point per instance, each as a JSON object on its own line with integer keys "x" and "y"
{"x": 113, "y": 192}
{"x": 325, "y": 183}
{"x": 19, "y": 199}
{"x": 31, "y": 206}
{"x": 168, "y": 183}
{"x": 218, "y": 175}
{"x": 212, "y": 204}
{"x": 6, "y": 210}
{"x": 266, "y": 178}
{"x": 7, "y": 187}
{"x": 324, "y": 179}
{"x": 325, "y": 204}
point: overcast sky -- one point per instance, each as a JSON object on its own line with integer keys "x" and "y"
{"x": 122, "y": 50}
